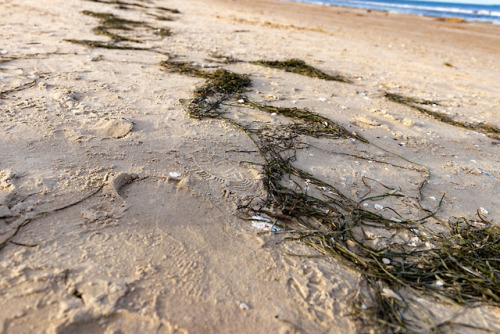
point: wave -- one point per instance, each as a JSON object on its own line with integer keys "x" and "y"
{"x": 431, "y": 8}
{"x": 471, "y": 12}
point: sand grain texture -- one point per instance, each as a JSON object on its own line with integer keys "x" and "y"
{"x": 105, "y": 241}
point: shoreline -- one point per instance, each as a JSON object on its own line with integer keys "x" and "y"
{"x": 159, "y": 157}
{"x": 449, "y": 17}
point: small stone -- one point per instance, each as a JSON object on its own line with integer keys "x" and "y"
{"x": 378, "y": 207}
{"x": 244, "y": 307}
{"x": 386, "y": 261}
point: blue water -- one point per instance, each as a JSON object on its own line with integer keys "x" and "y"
{"x": 469, "y": 12}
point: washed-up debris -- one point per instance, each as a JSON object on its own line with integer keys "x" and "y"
{"x": 483, "y": 211}
{"x": 264, "y": 224}
{"x": 174, "y": 176}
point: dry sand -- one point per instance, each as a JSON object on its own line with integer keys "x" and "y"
{"x": 90, "y": 137}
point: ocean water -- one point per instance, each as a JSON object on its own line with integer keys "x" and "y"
{"x": 466, "y": 11}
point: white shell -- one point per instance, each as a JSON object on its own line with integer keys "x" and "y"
{"x": 483, "y": 211}
{"x": 174, "y": 176}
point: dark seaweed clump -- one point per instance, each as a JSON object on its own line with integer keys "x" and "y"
{"x": 220, "y": 86}
{"x": 299, "y": 66}
{"x": 109, "y": 22}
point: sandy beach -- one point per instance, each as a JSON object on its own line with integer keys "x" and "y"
{"x": 138, "y": 194}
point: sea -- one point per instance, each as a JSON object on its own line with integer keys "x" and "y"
{"x": 467, "y": 11}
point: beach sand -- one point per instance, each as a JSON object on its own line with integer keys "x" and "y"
{"x": 121, "y": 214}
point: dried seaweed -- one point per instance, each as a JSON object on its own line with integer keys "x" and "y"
{"x": 170, "y": 10}
{"x": 460, "y": 266}
{"x": 311, "y": 124}
{"x": 298, "y": 66}
{"x": 127, "y": 5}
{"x": 18, "y": 88}
{"x": 27, "y": 221}
{"x": 110, "y": 22}
{"x": 490, "y": 130}
{"x": 105, "y": 45}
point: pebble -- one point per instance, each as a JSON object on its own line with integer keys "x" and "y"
{"x": 241, "y": 101}
{"x": 322, "y": 99}
{"x": 244, "y": 307}
{"x": 378, "y": 207}
{"x": 386, "y": 261}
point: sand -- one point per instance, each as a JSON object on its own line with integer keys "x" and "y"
{"x": 122, "y": 213}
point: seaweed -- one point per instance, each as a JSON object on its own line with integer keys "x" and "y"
{"x": 112, "y": 22}
{"x": 490, "y": 130}
{"x": 313, "y": 124}
{"x": 298, "y": 66}
{"x": 105, "y": 45}
{"x": 459, "y": 266}
{"x": 18, "y": 88}
{"x": 220, "y": 86}
{"x": 224, "y": 59}
{"x": 184, "y": 67}
{"x": 28, "y": 221}
{"x": 126, "y": 5}
{"x": 163, "y": 32}
{"x": 161, "y": 17}
{"x": 170, "y": 10}
{"x": 121, "y": 4}
{"x": 224, "y": 82}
